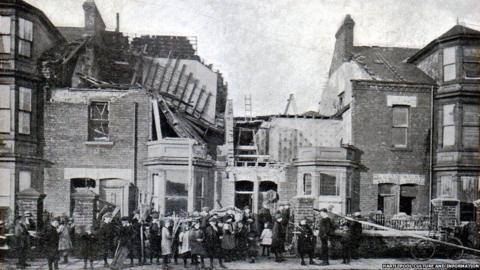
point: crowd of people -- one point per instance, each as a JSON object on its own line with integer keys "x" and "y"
{"x": 200, "y": 239}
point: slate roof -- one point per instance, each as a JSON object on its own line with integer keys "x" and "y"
{"x": 458, "y": 30}
{"x": 389, "y": 64}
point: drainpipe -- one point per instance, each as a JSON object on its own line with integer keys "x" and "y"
{"x": 135, "y": 140}
{"x": 431, "y": 155}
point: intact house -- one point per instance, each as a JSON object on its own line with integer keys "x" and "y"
{"x": 97, "y": 122}
{"x": 414, "y": 115}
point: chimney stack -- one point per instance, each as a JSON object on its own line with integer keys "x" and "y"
{"x": 93, "y": 19}
{"x": 343, "y": 44}
{"x": 117, "y": 29}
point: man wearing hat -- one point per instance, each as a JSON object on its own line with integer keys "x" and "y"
{"x": 51, "y": 238}
{"x": 278, "y": 238}
{"x": 213, "y": 244}
{"x": 325, "y": 230}
{"x": 356, "y": 234}
{"x": 105, "y": 236}
{"x": 21, "y": 241}
{"x": 155, "y": 238}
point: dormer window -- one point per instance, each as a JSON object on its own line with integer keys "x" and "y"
{"x": 471, "y": 63}
{"x": 449, "y": 64}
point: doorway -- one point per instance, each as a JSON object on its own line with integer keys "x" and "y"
{"x": 243, "y": 194}
{"x": 407, "y": 195}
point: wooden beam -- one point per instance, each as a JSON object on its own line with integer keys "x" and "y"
{"x": 185, "y": 88}
{"x": 198, "y": 99}
{"x": 205, "y": 104}
{"x": 154, "y": 75}
{"x": 148, "y": 73}
{"x": 156, "y": 118}
{"x": 182, "y": 71}
{"x": 191, "y": 93}
{"x": 135, "y": 73}
{"x": 175, "y": 66}
{"x": 164, "y": 72}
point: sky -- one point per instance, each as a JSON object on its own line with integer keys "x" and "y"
{"x": 271, "y": 48}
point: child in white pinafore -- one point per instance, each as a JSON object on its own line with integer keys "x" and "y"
{"x": 183, "y": 238}
{"x": 266, "y": 238}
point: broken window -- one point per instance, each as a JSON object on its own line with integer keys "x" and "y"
{"x": 5, "y": 34}
{"x": 449, "y": 66}
{"x": 307, "y": 184}
{"x": 25, "y": 37}
{"x": 448, "y": 126}
{"x": 4, "y": 108}
{"x": 98, "y": 122}
{"x": 176, "y": 193}
{"x": 399, "y": 126}
{"x": 328, "y": 185}
{"x": 25, "y": 110}
{"x": 471, "y": 126}
{"x": 471, "y": 63}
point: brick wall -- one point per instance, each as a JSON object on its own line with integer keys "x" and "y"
{"x": 66, "y": 134}
{"x": 372, "y": 133}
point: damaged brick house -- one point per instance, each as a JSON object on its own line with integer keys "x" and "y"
{"x": 123, "y": 122}
{"x": 390, "y": 100}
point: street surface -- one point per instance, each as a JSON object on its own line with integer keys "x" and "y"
{"x": 291, "y": 264}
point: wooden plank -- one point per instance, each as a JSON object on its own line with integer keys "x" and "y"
{"x": 205, "y": 104}
{"x": 198, "y": 99}
{"x": 182, "y": 71}
{"x": 135, "y": 73}
{"x": 175, "y": 66}
{"x": 195, "y": 85}
{"x": 148, "y": 72}
{"x": 156, "y": 117}
{"x": 157, "y": 66}
{"x": 185, "y": 88}
{"x": 169, "y": 61}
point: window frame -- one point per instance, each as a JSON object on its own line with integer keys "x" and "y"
{"x": 475, "y": 59}
{"x": 7, "y": 108}
{"x": 454, "y": 63}
{"x": 91, "y": 136}
{"x": 441, "y": 191}
{"x": 405, "y": 126}
{"x": 307, "y": 177}
{"x": 470, "y": 125}
{"x": 24, "y": 39}
{"x": 452, "y": 124}
{"x": 321, "y": 190}
{"x": 200, "y": 198}
{"x": 23, "y": 111}
{"x": 8, "y": 35}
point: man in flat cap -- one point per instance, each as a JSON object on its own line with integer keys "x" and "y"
{"x": 21, "y": 241}
{"x": 105, "y": 235}
{"x": 51, "y": 238}
{"x": 278, "y": 238}
{"x": 325, "y": 231}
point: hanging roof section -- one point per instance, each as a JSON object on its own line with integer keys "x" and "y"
{"x": 389, "y": 64}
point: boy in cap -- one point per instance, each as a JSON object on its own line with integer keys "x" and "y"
{"x": 306, "y": 242}
{"x": 213, "y": 244}
{"x": 105, "y": 235}
{"x": 325, "y": 230}
{"x": 278, "y": 238}
{"x": 197, "y": 238}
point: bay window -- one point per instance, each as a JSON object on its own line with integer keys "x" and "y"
{"x": 307, "y": 184}
{"x": 471, "y": 62}
{"x": 5, "y": 109}
{"x": 447, "y": 187}
{"x": 328, "y": 185}
{"x": 471, "y": 126}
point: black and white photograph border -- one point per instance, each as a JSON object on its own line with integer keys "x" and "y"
{"x": 227, "y": 134}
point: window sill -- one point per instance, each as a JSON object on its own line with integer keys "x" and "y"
{"x": 400, "y": 149}
{"x": 99, "y": 143}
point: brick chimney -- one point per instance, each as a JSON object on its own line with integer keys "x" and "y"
{"x": 93, "y": 20}
{"x": 343, "y": 43}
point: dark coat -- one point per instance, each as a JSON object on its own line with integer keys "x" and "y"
{"x": 155, "y": 237}
{"x": 105, "y": 236}
{"x": 264, "y": 216}
{"x": 241, "y": 237}
{"x": 88, "y": 245}
{"x": 22, "y": 238}
{"x": 278, "y": 237}
{"x": 125, "y": 236}
{"x": 306, "y": 240}
{"x": 326, "y": 228}
{"x": 50, "y": 239}
{"x": 252, "y": 238}
{"x": 213, "y": 244}
{"x": 197, "y": 239}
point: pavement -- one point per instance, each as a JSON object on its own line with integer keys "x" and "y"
{"x": 291, "y": 263}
